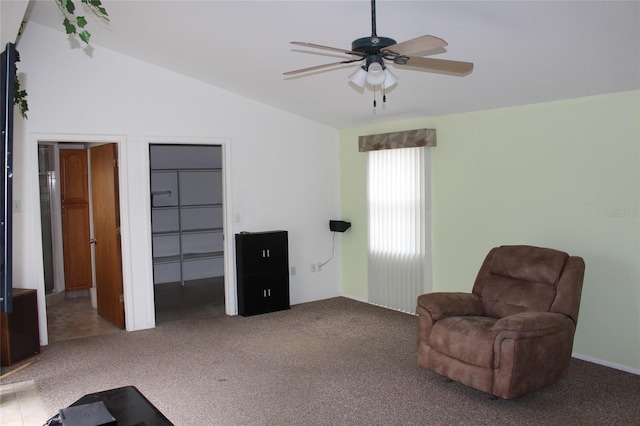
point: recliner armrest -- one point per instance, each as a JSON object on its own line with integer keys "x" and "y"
{"x": 531, "y": 324}
{"x": 443, "y": 305}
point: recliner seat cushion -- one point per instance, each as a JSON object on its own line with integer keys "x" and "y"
{"x": 502, "y": 296}
{"x": 467, "y": 338}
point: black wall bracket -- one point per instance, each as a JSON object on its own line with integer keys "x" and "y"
{"x": 339, "y": 225}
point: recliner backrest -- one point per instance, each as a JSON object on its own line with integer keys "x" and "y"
{"x": 521, "y": 278}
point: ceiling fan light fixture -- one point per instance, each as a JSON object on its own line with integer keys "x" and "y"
{"x": 359, "y": 77}
{"x": 390, "y": 78}
{"x": 375, "y": 50}
{"x": 375, "y": 74}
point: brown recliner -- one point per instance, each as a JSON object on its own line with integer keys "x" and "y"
{"x": 514, "y": 333}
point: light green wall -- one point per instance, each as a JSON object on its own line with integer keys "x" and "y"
{"x": 564, "y": 175}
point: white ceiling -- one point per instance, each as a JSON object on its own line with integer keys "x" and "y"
{"x": 524, "y": 51}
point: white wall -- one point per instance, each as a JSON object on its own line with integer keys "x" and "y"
{"x": 11, "y": 15}
{"x": 284, "y": 169}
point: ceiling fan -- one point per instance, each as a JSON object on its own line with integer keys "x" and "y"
{"x": 375, "y": 50}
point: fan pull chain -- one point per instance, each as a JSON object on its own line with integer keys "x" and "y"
{"x": 384, "y": 96}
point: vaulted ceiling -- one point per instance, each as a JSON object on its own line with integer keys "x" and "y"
{"x": 524, "y": 51}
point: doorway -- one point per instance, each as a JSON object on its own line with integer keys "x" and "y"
{"x": 47, "y": 181}
{"x": 76, "y": 310}
{"x": 187, "y": 230}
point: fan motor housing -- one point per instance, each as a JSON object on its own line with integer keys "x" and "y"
{"x": 371, "y": 45}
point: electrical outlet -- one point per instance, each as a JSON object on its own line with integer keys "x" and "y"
{"x": 314, "y": 267}
{"x": 293, "y": 271}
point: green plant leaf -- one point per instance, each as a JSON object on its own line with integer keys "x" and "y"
{"x": 69, "y": 6}
{"x": 96, "y": 4}
{"x": 24, "y": 107}
{"x": 19, "y": 97}
{"x": 68, "y": 26}
{"x": 84, "y": 36}
{"x": 81, "y": 21}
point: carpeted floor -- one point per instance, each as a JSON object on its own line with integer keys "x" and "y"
{"x": 332, "y": 362}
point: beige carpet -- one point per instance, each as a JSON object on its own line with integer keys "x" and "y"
{"x": 333, "y": 362}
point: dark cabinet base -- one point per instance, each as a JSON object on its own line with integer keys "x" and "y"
{"x": 261, "y": 300}
{"x": 20, "y": 333}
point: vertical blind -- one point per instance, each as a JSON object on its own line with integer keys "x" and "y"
{"x": 397, "y": 259}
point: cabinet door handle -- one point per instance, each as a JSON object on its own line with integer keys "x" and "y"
{"x": 264, "y": 293}
{"x": 268, "y": 253}
{"x": 269, "y": 292}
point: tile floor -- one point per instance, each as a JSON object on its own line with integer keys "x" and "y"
{"x": 75, "y": 318}
{"x": 20, "y": 405}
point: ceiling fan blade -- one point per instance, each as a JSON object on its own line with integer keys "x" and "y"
{"x": 333, "y": 49}
{"x": 418, "y": 45}
{"x": 318, "y": 67}
{"x": 454, "y": 67}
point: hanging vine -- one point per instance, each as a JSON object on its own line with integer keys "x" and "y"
{"x": 73, "y": 24}
{"x": 19, "y": 95}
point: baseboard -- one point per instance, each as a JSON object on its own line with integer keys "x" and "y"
{"x": 607, "y": 363}
{"x": 358, "y": 299}
{"x": 323, "y": 297}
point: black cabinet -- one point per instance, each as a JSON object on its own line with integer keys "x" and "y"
{"x": 262, "y": 263}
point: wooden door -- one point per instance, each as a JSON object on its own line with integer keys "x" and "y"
{"x": 106, "y": 229}
{"x": 76, "y": 244}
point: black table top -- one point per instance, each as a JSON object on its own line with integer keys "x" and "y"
{"x": 128, "y": 406}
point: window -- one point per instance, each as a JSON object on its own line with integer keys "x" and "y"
{"x": 398, "y": 201}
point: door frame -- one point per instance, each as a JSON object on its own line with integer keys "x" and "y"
{"x": 230, "y": 294}
{"x": 32, "y": 174}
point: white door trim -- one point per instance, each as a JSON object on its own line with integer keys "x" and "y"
{"x": 32, "y": 172}
{"x": 231, "y": 300}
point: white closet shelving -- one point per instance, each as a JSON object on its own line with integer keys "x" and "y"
{"x": 187, "y": 227}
